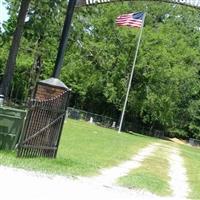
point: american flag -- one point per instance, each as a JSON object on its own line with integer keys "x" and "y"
{"x": 131, "y": 20}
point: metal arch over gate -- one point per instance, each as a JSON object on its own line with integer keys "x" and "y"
{"x": 44, "y": 122}
{"x": 192, "y": 3}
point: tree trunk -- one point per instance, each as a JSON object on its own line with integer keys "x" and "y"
{"x": 11, "y": 62}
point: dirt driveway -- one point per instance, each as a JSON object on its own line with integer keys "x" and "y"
{"x": 18, "y": 184}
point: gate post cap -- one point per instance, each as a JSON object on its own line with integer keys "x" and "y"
{"x": 55, "y": 82}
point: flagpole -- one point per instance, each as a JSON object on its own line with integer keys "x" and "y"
{"x": 131, "y": 76}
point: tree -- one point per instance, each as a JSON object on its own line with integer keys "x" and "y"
{"x": 98, "y": 62}
{"x": 194, "y": 125}
{"x": 11, "y": 62}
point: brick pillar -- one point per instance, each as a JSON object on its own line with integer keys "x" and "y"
{"x": 50, "y": 88}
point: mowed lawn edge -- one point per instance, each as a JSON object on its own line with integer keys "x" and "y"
{"x": 152, "y": 175}
{"x": 191, "y": 157}
{"x": 84, "y": 149}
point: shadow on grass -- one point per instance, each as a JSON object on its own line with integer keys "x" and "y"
{"x": 143, "y": 135}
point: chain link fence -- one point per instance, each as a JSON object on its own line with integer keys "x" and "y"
{"x": 91, "y": 117}
{"x": 194, "y": 142}
{"x": 108, "y": 122}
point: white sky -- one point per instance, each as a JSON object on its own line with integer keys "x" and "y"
{"x": 3, "y": 12}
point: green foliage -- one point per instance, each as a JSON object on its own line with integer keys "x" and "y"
{"x": 99, "y": 58}
{"x": 194, "y": 125}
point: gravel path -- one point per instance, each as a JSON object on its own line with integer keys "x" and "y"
{"x": 23, "y": 185}
{"x": 109, "y": 176}
{"x": 177, "y": 172}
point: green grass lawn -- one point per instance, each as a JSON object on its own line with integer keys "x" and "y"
{"x": 191, "y": 157}
{"x": 84, "y": 149}
{"x": 151, "y": 176}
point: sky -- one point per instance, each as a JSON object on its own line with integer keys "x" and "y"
{"x": 3, "y": 12}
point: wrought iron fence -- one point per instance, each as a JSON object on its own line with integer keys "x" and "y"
{"x": 43, "y": 127}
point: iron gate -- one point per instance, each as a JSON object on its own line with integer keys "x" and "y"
{"x": 43, "y": 127}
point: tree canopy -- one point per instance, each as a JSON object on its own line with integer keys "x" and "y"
{"x": 165, "y": 92}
